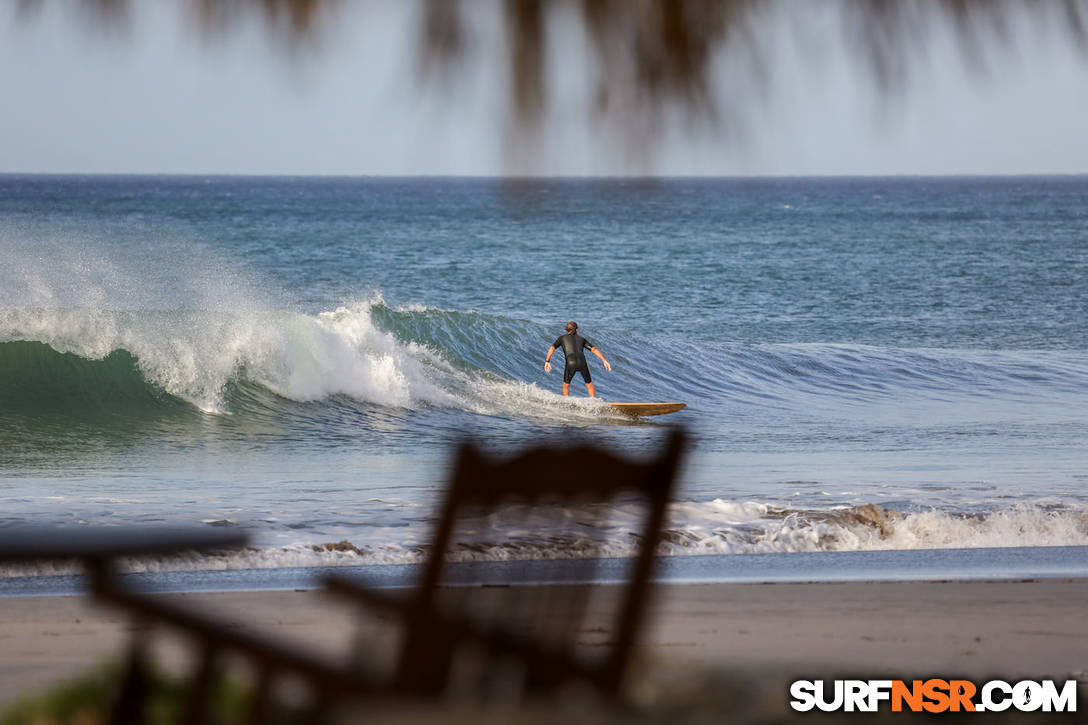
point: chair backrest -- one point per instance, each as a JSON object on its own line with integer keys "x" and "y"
{"x": 566, "y": 499}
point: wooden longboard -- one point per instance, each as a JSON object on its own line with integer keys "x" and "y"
{"x": 641, "y": 409}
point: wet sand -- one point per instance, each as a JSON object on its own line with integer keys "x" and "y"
{"x": 1016, "y": 629}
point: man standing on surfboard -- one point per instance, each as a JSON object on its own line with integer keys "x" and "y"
{"x": 573, "y": 344}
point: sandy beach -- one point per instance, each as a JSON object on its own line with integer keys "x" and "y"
{"x": 1014, "y": 629}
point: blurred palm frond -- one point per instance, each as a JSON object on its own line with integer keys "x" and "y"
{"x": 656, "y": 57}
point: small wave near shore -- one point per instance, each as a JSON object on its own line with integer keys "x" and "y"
{"x": 695, "y": 528}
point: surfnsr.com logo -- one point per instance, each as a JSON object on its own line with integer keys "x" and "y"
{"x": 933, "y": 695}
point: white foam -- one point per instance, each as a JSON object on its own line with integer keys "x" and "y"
{"x": 1019, "y": 526}
{"x": 721, "y": 527}
{"x": 492, "y": 396}
{"x": 344, "y": 352}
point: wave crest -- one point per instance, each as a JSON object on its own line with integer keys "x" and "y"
{"x": 196, "y": 356}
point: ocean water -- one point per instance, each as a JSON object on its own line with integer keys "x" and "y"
{"x": 869, "y": 364}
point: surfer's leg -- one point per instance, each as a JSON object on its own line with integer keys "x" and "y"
{"x": 566, "y": 388}
{"x": 583, "y": 368}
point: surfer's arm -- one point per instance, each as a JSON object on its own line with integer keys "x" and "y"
{"x": 598, "y": 353}
{"x": 548, "y": 358}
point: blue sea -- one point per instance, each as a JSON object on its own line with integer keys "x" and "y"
{"x": 869, "y": 364}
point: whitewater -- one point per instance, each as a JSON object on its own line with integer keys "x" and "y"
{"x": 869, "y": 365}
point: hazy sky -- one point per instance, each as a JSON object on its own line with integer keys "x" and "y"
{"x": 160, "y": 98}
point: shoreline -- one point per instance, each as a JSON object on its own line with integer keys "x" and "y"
{"x": 979, "y": 629}
{"x": 894, "y": 565}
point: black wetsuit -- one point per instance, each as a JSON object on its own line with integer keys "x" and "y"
{"x": 572, "y": 345}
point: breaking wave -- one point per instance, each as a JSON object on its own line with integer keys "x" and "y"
{"x": 250, "y": 361}
{"x": 246, "y": 364}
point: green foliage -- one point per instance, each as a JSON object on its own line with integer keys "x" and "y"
{"x": 89, "y": 699}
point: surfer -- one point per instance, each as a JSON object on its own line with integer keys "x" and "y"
{"x": 573, "y": 344}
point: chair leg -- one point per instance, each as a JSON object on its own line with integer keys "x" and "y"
{"x": 319, "y": 712}
{"x": 424, "y": 664}
{"x": 129, "y": 707}
{"x": 197, "y": 710}
{"x": 260, "y": 702}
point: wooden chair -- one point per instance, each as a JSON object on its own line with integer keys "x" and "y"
{"x": 532, "y": 632}
{"x": 527, "y": 639}
{"x": 211, "y": 638}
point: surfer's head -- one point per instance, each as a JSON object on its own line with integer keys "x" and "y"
{"x": 572, "y": 327}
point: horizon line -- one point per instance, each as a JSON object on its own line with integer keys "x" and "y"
{"x": 544, "y": 177}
